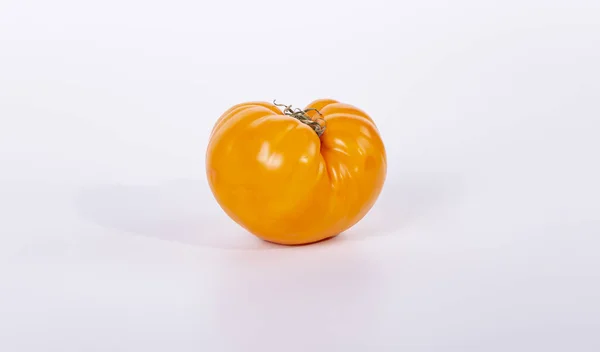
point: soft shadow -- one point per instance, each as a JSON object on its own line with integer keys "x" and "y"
{"x": 181, "y": 211}
{"x": 184, "y": 211}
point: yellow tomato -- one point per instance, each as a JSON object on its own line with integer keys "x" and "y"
{"x": 296, "y": 176}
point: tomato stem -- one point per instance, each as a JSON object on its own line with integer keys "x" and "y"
{"x": 318, "y": 124}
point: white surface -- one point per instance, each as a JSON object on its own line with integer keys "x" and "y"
{"x": 485, "y": 238}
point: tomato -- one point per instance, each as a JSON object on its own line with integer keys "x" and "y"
{"x": 296, "y": 176}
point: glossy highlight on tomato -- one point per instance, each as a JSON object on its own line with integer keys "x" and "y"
{"x": 292, "y": 176}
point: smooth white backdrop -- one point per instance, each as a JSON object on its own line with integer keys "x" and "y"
{"x": 485, "y": 237}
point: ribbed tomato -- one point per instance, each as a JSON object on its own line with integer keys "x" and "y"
{"x": 296, "y": 176}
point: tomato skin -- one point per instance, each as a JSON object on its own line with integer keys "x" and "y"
{"x": 274, "y": 176}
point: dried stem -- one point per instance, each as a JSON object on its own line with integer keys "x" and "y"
{"x": 301, "y": 115}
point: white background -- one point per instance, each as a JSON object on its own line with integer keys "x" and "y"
{"x": 485, "y": 237}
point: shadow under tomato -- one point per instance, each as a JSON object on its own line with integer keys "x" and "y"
{"x": 184, "y": 211}
{"x": 180, "y": 211}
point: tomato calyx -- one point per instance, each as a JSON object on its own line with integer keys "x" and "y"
{"x": 318, "y": 124}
